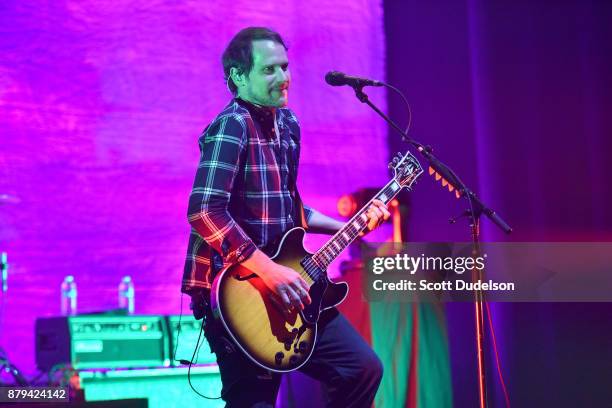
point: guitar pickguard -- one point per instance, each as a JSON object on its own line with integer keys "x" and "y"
{"x": 317, "y": 291}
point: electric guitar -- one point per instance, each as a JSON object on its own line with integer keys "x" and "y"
{"x": 241, "y": 300}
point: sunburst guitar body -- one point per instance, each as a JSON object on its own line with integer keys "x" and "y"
{"x": 244, "y": 304}
{"x": 258, "y": 327}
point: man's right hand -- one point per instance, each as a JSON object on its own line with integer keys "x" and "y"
{"x": 287, "y": 284}
{"x": 284, "y": 282}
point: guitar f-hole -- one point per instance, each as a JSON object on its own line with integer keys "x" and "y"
{"x": 243, "y": 278}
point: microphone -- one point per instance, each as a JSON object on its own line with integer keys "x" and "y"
{"x": 335, "y": 78}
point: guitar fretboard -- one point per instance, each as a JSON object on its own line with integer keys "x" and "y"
{"x": 347, "y": 234}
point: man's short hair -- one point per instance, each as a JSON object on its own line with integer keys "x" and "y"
{"x": 239, "y": 51}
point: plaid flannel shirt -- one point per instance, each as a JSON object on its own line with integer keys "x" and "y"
{"x": 244, "y": 195}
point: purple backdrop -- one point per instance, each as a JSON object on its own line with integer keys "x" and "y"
{"x": 101, "y": 105}
{"x": 516, "y": 97}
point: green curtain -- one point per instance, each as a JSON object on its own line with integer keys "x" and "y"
{"x": 393, "y": 335}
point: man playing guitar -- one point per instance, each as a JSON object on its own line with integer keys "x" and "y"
{"x": 243, "y": 200}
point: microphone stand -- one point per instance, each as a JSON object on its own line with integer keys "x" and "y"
{"x": 476, "y": 209}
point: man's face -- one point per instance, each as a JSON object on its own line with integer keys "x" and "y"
{"x": 268, "y": 82}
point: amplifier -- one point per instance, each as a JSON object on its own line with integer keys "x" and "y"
{"x": 100, "y": 341}
{"x": 185, "y": 340}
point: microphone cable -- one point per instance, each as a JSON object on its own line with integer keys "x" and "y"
{"x": 386, "y": 85}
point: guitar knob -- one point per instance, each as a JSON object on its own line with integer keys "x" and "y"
{"x": 288, "y": 345}
{"x": 278, "y": 357}
{"x": 303, "y": 346}
{"x": 293, "y": 359}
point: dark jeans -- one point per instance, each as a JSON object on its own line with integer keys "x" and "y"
{"x": 341, "y": 360}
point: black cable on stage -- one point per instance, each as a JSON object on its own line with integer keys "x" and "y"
{"x": 195, "y": 351}
{"x": 191, "y": 363}
{"x": 501, "y": 377}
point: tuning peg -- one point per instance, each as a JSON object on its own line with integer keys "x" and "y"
{"x": 394, "y": 162}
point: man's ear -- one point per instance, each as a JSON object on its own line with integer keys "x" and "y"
{"x": 237, "y": 76}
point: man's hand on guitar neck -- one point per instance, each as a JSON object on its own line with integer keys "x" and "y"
{"x": 285, "y": 283}
{"x": 377, "y": 213}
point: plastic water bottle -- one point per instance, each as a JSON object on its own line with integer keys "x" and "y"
{"x": 69, "y": 296}
{"x": 126, "y": 294}
{"x": 4, "y": 271}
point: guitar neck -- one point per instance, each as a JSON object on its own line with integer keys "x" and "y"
{"x": 350, "y": 231}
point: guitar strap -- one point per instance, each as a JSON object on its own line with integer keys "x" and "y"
{"x": 299, "y": 207}
{"x": 299, "y": 215}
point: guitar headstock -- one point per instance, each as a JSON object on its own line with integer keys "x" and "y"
{"x": 406, "y": 169}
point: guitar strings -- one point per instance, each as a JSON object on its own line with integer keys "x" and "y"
{"x": 314, "y": 265}
{"x": 328, "y": 252}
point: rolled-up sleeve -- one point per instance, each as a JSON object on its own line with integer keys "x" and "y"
{"x": 221, "y": 147}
